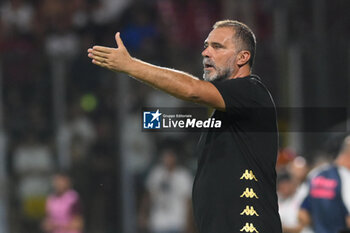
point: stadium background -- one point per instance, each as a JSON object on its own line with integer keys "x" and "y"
{"x": 67, "y": 113}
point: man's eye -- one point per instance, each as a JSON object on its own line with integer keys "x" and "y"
{"x": 205, "y": 46}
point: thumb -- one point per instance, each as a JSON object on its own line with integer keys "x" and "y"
{"x": 119, "y": 40}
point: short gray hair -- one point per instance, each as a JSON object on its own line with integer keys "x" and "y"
{"x": 243, "y": 34}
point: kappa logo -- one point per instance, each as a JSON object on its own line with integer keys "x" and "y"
{"x": 249, "y": 193}
{"x": 249, "y": 227}
{"x": 249, "y": 210}
{"x": 248, "y": 175}
{"x": 151, "y": 120}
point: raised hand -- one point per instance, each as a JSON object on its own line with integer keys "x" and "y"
{"x": 115, "y": 59}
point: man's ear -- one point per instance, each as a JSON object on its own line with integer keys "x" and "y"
{"x": 243, "y": 57}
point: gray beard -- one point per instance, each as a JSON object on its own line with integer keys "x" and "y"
{"x": 219, "y": 75}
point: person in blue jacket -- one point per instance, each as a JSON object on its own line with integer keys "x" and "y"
{"x": 327, "y": 205}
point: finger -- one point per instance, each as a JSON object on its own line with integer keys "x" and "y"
{"x": 99, "y": 54}
{"x": 98, "y": 63}
{"x": 99, "y": 59}
{"x": 119, "y": 40}
{"x": 102, "y": 49}
{"x": 90, "y": 50}
{"x": 90, "y": 55}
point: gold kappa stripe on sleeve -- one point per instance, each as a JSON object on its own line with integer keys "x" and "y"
{"x": 249, "y": 211}
{"x": 248, "y": 175}
{"x": 249, "y": 227}
{"x": 249, "y": 193}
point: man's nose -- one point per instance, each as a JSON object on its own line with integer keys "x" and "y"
{"x": 206, "y": 52}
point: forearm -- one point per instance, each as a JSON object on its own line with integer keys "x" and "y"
{"x": 173, "y": 82}
{"x": 143, "y": 216}
{"x": 304, "y": 217}
{"x": 296, "y": 229}
{"x": 176, "y": 83}
{"x": 77, "y": 223}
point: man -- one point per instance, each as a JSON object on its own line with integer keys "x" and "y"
{"x": 235, "y": 185}
{"x": 63, "y": 211}
{"x": 327, "y": 205}
{"x": 164, "y": 207}
{"x": 286, "y": 188}
{"x": 289, "y": 201}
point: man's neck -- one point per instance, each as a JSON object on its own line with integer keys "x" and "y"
{"x": 59, "y": 194}
{"x": 243, "y": 71}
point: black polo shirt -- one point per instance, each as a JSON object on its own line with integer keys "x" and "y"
{"x": 235, "y": 186}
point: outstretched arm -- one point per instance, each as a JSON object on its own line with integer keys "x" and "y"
{"x": 176, "y": 83}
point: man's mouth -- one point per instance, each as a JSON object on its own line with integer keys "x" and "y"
{"x": 208, "y": 66}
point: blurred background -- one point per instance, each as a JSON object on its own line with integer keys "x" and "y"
{"x": 60, "y": 112}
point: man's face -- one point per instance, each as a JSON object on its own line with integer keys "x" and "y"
{"x": 169, "y": 159}
{"x": 286, "y": 188}
{"x": 61, "y": 183}
{"x": 219, "y": 54}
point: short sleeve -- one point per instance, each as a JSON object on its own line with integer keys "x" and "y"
{"x": 238, "y": 95}
{"x": 152, "y": 179}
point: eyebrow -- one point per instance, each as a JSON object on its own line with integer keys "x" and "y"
{"x": 206, "y": 43}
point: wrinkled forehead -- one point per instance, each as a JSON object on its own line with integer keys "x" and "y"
{"x": 222, "y": 35}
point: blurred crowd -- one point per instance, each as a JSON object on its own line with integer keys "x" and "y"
{"x": 42, "y": 41}
{"x": 313, "y": 196}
